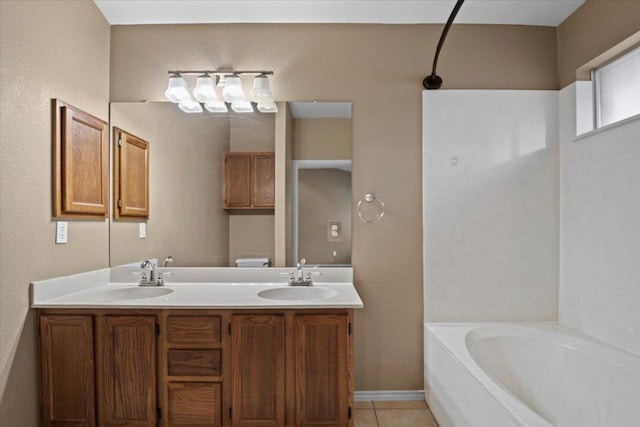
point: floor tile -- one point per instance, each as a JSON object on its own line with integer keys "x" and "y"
{"x": 364, "y": 405}
{"x": 364, "y": 418}
{"x": 405, "y": 418}
{"x": 400, "y": 404}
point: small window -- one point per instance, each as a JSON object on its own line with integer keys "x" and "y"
{"x": 617, "y": 89}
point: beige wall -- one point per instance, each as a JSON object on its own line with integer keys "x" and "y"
{"x": 594, "y": 28}
{"x": 186, "y": 217}
{"x": 379, "y": 68}
{"x": 324, "y": 195}
{"x": 252, "y": 233}
{"x": 328, "y": 139}
{"x": 49, "y": 50}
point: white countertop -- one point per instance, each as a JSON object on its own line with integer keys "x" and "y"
{"x": 103, "y": 289}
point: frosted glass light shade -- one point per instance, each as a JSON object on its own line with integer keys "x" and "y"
{"x": 178, "y": 90}
{"x": 205, "y": 90}
{"x": 232, "y": 91}
{"x": 216, "y": 107}
{"x": 267, "y": 107}
{"x": 261, "y": 91}
{"x": 190, "y": 107}
{"x": 242, "y": 107}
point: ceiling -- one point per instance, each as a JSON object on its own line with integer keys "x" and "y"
{"x": 517, "y": 12}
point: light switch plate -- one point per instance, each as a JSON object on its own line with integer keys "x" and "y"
{"x": 142, "y": 231}
{"x": 62, "y": 231}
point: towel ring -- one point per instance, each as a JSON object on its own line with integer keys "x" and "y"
{"x": 370, "y": 209}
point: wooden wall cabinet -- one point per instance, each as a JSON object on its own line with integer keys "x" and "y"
{"x": 249, "y": 180}
{"x": 130, "y": 176}
{"x": 231, "y": 368}
{"x": 80, "y": 164}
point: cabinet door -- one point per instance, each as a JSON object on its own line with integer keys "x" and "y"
{"x": 130, "y": 176}
{"x": 322, "y": 370}
{"x": 127, "y": 371}
{"x": 258, "y": 370}
{"x": 237, "y": 180}
{"x": 264, "y": 190}
{"x": 81, "y": 164}
{"x": 67, "y": 371}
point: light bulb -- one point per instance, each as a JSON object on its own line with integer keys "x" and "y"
{"x": 232, "y": 91}
{"x": 205, "y": 90}
{"x": 260, "y": 91}
{"x": 178, "y": 90}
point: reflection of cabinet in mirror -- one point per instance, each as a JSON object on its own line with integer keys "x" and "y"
{"x": 249, "y": 180}
{"x": 80, "y": 164}
{"x": 130, "y": 176}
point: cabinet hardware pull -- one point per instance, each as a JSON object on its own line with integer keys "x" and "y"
{"x": 157, "y": 330}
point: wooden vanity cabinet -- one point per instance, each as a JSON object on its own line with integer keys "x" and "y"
{"x": 98, "y": 368}
{"x": 249, "y": 180}
{"x": 176, "y": 367}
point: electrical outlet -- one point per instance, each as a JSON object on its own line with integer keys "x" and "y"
{"x": 142, "y": 231}
{"x": 62, "y": 230}
{"x": 334, "y": 231}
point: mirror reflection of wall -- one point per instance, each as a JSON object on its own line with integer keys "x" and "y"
{"x": 321, "y": 191}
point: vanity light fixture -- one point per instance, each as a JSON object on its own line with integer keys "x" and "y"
{"x": 205, "y": 90}
{"x": 267, "y": 107}
{"x": 178, "y": 90}
{"x": 232, "y": 92}
{"x": 216, "y": 107}
{"x": 260, "y": 91}
{"x": 190, "y": 107}
{"x": 242, "y": 107}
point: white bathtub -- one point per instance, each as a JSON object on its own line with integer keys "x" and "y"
{"x": 527, "y": 374}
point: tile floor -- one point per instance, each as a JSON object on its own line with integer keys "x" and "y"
{"x": 407, "y": 413}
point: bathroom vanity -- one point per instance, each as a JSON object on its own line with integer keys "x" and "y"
{"x": 196, "y": 353}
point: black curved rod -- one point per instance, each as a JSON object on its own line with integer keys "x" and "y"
{"x": 433, "y": 81}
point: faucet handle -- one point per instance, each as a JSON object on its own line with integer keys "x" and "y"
{"x": 143, "y": 275}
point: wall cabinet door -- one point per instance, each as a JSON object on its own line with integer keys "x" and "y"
{"x": 264, "y": 189}
{"x": 257, "y": 345}
{"x": 80, "y": 164}
{"x": 67, "y": 377}
{"x": 322, "y": 390}
{"x": 237, "y": 181}
{"x": 127, "y": 371}
{"x": 130, "y": 176}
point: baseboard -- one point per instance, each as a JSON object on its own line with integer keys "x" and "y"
{"x": 377, "y": 395}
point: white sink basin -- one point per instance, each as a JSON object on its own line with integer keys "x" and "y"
{"x": 297, "y": 293}
{"x": 136, "y": 293}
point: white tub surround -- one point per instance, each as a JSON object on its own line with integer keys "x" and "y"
{"x": 490, "y": 205}
{"x": 194, "y": 288}
{"x": 600, "y": 233}
{"x": 528, "y": 374}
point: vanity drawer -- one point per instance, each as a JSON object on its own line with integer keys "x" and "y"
{"x": 193, "y": 329}
{"x": 194, "y": 404}
{"x": 190, "y": 362}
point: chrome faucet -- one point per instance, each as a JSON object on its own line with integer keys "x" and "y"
{"x": 299, "y": 278}
{"x": 152, "y": 279}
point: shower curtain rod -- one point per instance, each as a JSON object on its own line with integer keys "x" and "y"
{"x": 433, "y": 81}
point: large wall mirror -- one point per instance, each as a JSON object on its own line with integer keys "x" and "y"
{"x": 187, "y": 219}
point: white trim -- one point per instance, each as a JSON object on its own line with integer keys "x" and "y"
{"x": 306, "y": 164}
{"x": 381, "y": 395}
